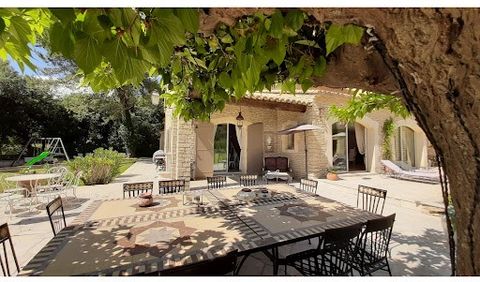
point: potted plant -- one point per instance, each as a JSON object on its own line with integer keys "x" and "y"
{"x": 332, "y": 174}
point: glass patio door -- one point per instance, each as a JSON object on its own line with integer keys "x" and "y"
{"x": 220, "y": 148}
{"x": 340, "y": 145}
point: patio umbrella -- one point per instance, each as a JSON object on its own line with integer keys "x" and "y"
{"x": 301, "y": 128}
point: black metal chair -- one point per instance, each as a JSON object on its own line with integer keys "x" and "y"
{"x": 4, "y": 237}
{"x": 56, "y": 215}
{"x": 308, "y": 185}
{"x": 371, "y": 199}
{"x": 216, "y": 182}
{"x": 171, "y": 186}
{"x": 214, "y": 267}
{"x": 373, "y": 247}
{"x": 137, "y": 188}
{"x": 248, "y": 180}
{"x": 334, "y": 256}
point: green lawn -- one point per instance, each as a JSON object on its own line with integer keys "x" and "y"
{"x": 126, "y": 164}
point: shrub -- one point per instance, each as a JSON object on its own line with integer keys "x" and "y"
{"x": 99, "y": 167}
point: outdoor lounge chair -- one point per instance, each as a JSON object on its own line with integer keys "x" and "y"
{"x": 395, "y": 171}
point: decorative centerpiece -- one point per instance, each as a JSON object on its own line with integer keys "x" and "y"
{"x": 263, "y": 193}
{"x": 246, "y": 194}
{"x": 146, "y": 199}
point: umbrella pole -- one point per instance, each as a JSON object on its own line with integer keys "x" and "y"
{"x": 306, "y": 159}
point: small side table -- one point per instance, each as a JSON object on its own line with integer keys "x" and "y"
{"x": 194, "y": 197}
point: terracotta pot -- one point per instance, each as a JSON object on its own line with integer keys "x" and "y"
{"x": 332, "y": 176}
{"x": 146, "y": 200}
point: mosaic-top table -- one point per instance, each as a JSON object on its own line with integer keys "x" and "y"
{"x": 116, "y": 237}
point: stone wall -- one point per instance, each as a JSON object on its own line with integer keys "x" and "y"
{"x": 181, "y": 154}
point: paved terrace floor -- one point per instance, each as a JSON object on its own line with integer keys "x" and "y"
{"x": 419, "y": 243}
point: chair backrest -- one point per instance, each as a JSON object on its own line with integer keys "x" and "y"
{"x": 376, "y": 238}
{"x": 371, "y": 199}
{"x": 63, "y": 171}
{"x": 308, "y": 185}
{"x": 137, "y": 188}
{"x": 282, "y": 164}
{"x": 216, "y": 182}
{"x": 56, "y": 215}
{"x": 213, "y": 267}
{"x": 248, "y": 180}
{"x": 4, "y": 261}
{"x": 171, "y": 186}
{"x": 271, "y": 163}
{"x": 340, "y": 248}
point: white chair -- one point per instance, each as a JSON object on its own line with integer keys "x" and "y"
{"x": 73, "y": 181}
{"x": 15, "y": 196}
{"x": 53, "y": 183}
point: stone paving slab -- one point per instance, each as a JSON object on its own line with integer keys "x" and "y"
{"x": 419, "y": 242}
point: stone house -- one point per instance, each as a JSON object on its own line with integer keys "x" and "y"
{"x": 197, "y": 149}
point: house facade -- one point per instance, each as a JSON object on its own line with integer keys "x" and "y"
{"x": 197, "y": 149}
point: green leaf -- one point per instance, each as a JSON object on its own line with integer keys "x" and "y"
{"x": 65, "y": 16}
{"x": 289, "y": 86}
{"x": 169, "y": 26}
{"x": 189, "y": 18}
{"x": 200, "y": 63}
{"x": 306, "y": 84}
{"x": 352, "y": 34}
{"x": 105, "y": 21}
{"x": 306, "y": 42}
{"x": 2, "y": 25}
{"x": 61, "y": 40}
{"x": 276, "y": 50}
{"x": 276, "y": 28}
{"x": 227, "y": 38}
{"x": 87, "y": 54}
{"x": 20, "y": 29}
{"x": 337, "y": 35}
{"x": 224, "y": 80}
{"x": 295, "y": 19}
{"x": 320, "y": 66}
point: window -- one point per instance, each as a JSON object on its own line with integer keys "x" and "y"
{"x": 291, "y": 142}
{"x": 405, "y": 145}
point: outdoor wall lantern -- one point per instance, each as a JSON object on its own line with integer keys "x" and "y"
{"x": 240, "y": 119}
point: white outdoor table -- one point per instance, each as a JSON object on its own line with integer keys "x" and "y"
{"x": 30, "y": 181}
{"x": 278, "y": 175}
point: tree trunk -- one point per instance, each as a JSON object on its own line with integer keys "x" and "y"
{"x": 126, "y": 103}
{"x": 431, "y": 58}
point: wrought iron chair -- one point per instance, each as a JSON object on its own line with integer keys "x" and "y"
{"x": 171, "y": 186}
{"x": 56, "y": 215}
{"x": 4, "y": 237}
{"x": 213, "y": 267}
{"x": 137, "y": 188}
{"x": 308, "y": 185}
{"x": 373, "y": 247}
{"x": 216, "y": 182}
{"x": 334, "y": 255}
{"x": 248, "y": 180}
{"x": 371, "y": 199}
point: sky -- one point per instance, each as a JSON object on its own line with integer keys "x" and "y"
{"x": 39, "y": 63}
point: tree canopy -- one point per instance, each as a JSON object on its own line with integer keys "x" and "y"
{"x": 200, "y": 72}
{"x": 364, "y": 102}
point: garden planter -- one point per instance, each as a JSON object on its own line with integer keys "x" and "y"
{"x": 146, "y": 200}
{"x": 332, "y": 176}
